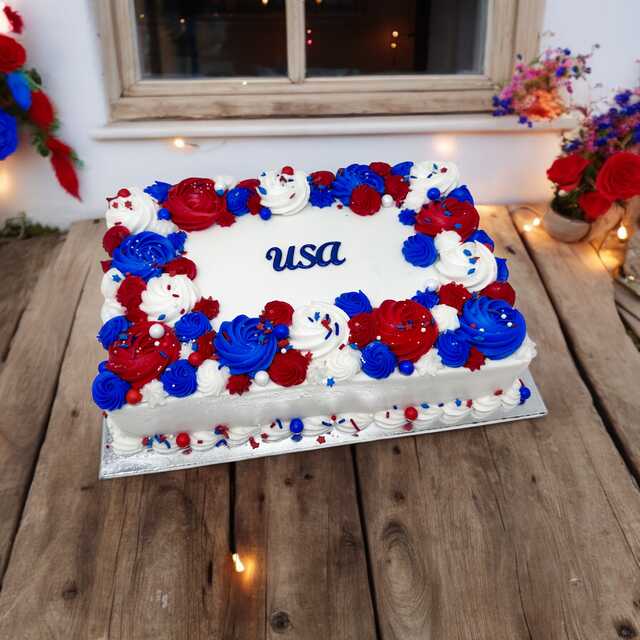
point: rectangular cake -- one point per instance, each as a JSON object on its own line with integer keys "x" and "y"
{"x": 298, "y": 305}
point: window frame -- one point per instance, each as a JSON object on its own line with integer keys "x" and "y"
{"x": 512, "y": 26}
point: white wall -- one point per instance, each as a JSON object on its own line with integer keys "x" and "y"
{"x": 62, "y": 41}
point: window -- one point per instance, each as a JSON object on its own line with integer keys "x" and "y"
{"x": 249, "y": 58}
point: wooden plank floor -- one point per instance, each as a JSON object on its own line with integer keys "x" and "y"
{"x": 521, "y": 531}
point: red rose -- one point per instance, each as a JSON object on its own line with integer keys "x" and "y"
{"x": 129, "y": 295}
{"x": 475, "y": 359}
{"x": 455, "y": 295}
{"x": 500, "y": 291}
{"x": 14, "y": 18}
{"x": 181, "y": 266}
{"x": 238, "y": 384}
{"x": 619, "y": 177}
{"x": 208, "y": 306}
{"x": 567, "y": 172}
{"x": 322, "y": 178}
{"x": 406, "y": 327}
{"x": 290, "y": 368}
{"x": 450, "y": 215}
{"x": 12, "y": 54}
{"x": 41, "y": 112}
{"x": 138, "y": 359}
{"x": 381, "y": 168}
{"x": 113, "y": 237}
{"x": 277, "y": 312}
{"x": 396, "y": 187}
{"x": 363, "y": 328}
{"x": 195, "y": 205}
{"x": 365, "y": 200}
{"x": 594, "y": 205}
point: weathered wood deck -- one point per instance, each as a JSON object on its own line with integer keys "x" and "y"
{"x": 521, "y": 531}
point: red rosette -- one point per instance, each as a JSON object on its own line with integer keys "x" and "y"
{"x": 365, "y": 200}
{"x": 181, "y": 267}
{"x": 141, "y": 358}
{"x": 450, "y": 215}
{"x": 406, "y": 327}
{"x": 396, "y": 187}
{"x": 195, "y": 205}
{"x": 455, "y": 295}
{"x": 500, "y": 291}
{"x": 238, "y": 384}
{"x": 113, "y": 237}
{"x": 208, "y": 306}
{"x": 129, "y": 295}
{"x": 381, "y": 168}
{"x": 12, "y": 54}
{"x": 277, "y": 312}
{"x": 363, "y": 329}
{"x": 289, "y": 368}
{"x": 475, "y": 359}
{"x": 322, "y": 178}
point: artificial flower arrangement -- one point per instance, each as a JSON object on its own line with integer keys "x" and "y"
{"x": 23, "y": 102}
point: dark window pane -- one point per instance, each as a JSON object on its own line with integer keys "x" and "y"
{"x": 211, "y": 38}
{"x": 359, "y": 37}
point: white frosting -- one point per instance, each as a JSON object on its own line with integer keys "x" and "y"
{"x": 204, "y": 440}
{"x": 427, "y": 175}
{"x": 511, "y": 397}
{"x": 284, "y": 194}
{"x": 238, "y": 436}
{"x": 122, "y": 443}
{"x": 429, "y": 364}
{"x": 153, "y": 394}
{"x": 353, "y": 423}
{"x": 135, "y": 211}
{"x": 111, "y": 309}
{"x": 393, "y": 421}
{"x": 446, "y": 317}
{"x": 167, "y": 298}
{"x": 110, "y": 284}
{"x": 165, "y": 445}
{"x": 455, "y": 411}
{"x": 186, "y": 349}
{"x": 315, "y": 426}
{"x": 211, "y": 379}
{"x": 276, "y": 431}
{"x": 341, "y": 364}
{"x": 468, "y": 263}
{"x": 163, "y": 227}
{"x": 486, "y": 405}
{"x": 308, "y": 334}
{"x": 427, "y": 415}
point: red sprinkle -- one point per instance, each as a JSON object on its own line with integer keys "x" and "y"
{"x": 498, "y": 392}
{"x": 320, "y": 440}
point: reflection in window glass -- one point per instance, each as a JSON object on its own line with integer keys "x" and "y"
{"x": 359, "y": 37}
{"x": 211, "y": 38}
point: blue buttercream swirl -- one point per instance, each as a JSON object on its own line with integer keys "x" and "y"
{"x": 482, "y": 237}
{"x": 144, "y": 254}
{"x": 237, "y": 199}
{"x": 461, "y": 194}
{"x": 191, "y": 326}
{"x": 179, "y": 379}
{"x": 158, "y": 190}
{"x": 109, "y": 391}
{"x": 177, "y": 239}
{"x": 111, "y": 330}
{"x": 402, "y": 168}
{"x": 420, "y": 250}
{"x": 427, "y": 298}
{"x": 453, "y": 348}
{"x": 503, "y": 270}
{"x": 408, "y": 217}
{"x": 353, "y": 303}
{"x": 493, "y": 326}
{"x": 378, "y": 361}
{"x": 353, "y": 176}
{"x": 243, "y": 347}
{"x": 320, "y": 196}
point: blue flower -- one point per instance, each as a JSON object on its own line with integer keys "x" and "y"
{"x": 354, "y": 176}
{"x": 420, "y": 250}
{"x": 453, "y": 348}
{"x": 8, "y": 135}
{"x": 503, "y": 270}
{"x": 237, "y": 200}
{"x": 408, "y": 217}
{"x": 191, "y": 326}
{"x": 320, "y": 196}
{"x": 109, "y": 391}
{"x": 427, "y": 298}
{"x": 461, "y": 194}
{"x": 144, "y": 254}
{"x": 402, "y": 169}
{"x": 378, "y": 361}
{"x": 353, "y": 303}
{"x": 111, "y": 330}
{"x": 243, "y": 347}
{"x": 179, "y": 379}
{"x": 158, "y": 190}
{"x": 483, "y": 237}
{"x": 20, "y": 90}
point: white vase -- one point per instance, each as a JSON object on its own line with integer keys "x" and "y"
{"x": 563, "y": 228}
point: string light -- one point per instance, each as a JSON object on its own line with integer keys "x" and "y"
{"x": 394, "y": 34}
{"x": 182, "y": 20}
{"x": 179, "y": 143}
{"x": 622, "y": 233}
{"x": 536, "y": 222}
{"x": 309, "y": 42}
{"x": 309, "y": 32}
{"x": 265, "y": 2}
{"x": 394, "y": 45}
{"x": 528, "y": 227}
{"x": 237, "y": 563}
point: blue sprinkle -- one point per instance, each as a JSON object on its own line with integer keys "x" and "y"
{"x": 279, "y": 423}
{"x": 162, "y": 316}
{"x": 316, "y": 315}
{"x": 330, "y": 382}
{"x": 457, "y": 225}
{"x": 262, "y": 190}
{"x": 337, "y": 326}
{"x": 467, "y": 252}
{"x": 424, "y": 405}
{"x": 458, "y": 402}
{"x": 297, "y": 437}
{"x": 116, "y": 278}
{"x": 471, "y": 271}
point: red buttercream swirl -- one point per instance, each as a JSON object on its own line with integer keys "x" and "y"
{"x": 277, "y": 312}
{"x": 450, "y": 215}
{"x": 322, "y": 178}
{"x": 238, "y": 384}
{"x": 406, "y": 327}
{"x": 195, "y": 205}
{"x": 290, "y": 368}
{"x": 141, "y": 358}
{"x": 396, "y": 187}
{"x": 454, "y": 295}
{"x": 129, "y": 295}
{"x": 181, "y": 266}
{"x": 381, "y": 168}
{"x": 363, "y": 329}
{"x": 475, "y": 359}
{"x": 113, "y": 237}
{"x": 500, "y": 291}
{"x": 365, "y": 200}
{"x": 208, "y": 306}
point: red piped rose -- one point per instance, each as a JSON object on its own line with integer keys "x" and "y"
{"x": 113, "y": 237}
{"x": 619, "y": 177}
{"x": 396, "y": 187}
{"x": 450, "y": 215}
{"x": 322, "y": 178}
{"x": 500, "y": 291}
{"x": 455, "y": 295}
{"x": 289, "y": 368}
{"x": 208, "y": 306}
{"x": 363, "y": 329}
{"x": 567, "y": 172}
{"x": 381, "y": 168}
{"x": 475, "y": 359}
{"x": 195, "y": 205}
{"x": 181, "y": 266}
{"x": 238, "y": 384}
{"x": 277, "y": 312}
{"x": 365, "y": 200}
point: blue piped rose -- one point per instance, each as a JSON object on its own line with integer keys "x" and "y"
{"x": 355, "y": 175}
{"x": 179, "y": 379}
{"x": 420, "y": 250}
{"x": 109, "y": 391}
{"x": 378, "y": 361}
{"x": 353, "y": 303}
{"x": 191, "y": 326}
{"x": 453, "y": 348}
{"x": 112, "y": 329}
{"x": 144, "y": 254}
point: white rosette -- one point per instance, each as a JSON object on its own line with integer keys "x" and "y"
{"x": 162, "y": 227}
{"x": 318, "y": 329}
{"x": 353, "y": 423}
{"x": 164, "y": 445}
{"x": 153, "y": 394}
{"x": 511, "y": 398}
{"x": 111, "y": 309}
{"x": 430, "y": 174}
{"x": 167, "y": 298}
{"x": 122, "y": 443}
{"x": 428, "y": 414}
{"x": 392, "y": 421}
{"x": 341, "y": 364}
{"x": 455, "y": 411}
{"x": 135, "y": 211}
{"x": 204, "y": 440}
{"x": 315, "y": 426}
{"x": 276, "y": 431}
{"x": 282, "y": 193}
{"x": 446, "y": 317}
{"x": 240, "y": 435}
{"x": 484, "y": 406}
{"x": 211, "y": 379}
{"x": 430, "y": 363}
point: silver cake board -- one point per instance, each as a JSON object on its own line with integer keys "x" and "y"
{"x": 115, "y": 466}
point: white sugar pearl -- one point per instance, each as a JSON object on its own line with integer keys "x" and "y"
{"x": 156, "y": 331}
{"x": 261, "y": 378}
{"x": 387, "y": 200}
{"x": 431, "y": 284}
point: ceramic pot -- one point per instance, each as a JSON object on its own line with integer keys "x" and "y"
{"x": 564, "y": 229}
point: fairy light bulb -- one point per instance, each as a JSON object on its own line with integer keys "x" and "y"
{"x": 394, "y": 34}
{"x": 622, "y": 233}
{"x": 536, "y": 222}
{"x": 394, "y": 45}
{"x": 179, "y": 143}
{"x": 235, "y": 557}
{"x": 528, "y": 227}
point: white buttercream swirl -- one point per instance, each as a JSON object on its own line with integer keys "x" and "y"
{"x": 446, "y": 317}
{"x": 430, "y": 363}
{"x": 393, "y": 421}
{"x": 309, "y": 334}
{"x": 162, "y": 227}
{"x": 511, "y": 397}
{"x": 341, "y": 364}
{"x": 204, "y": 440}
{"x": 167, "y": 298}
{"x": 455, "y": 411}
{"x": 353, "y": 423}
{"x": 238, "y": 436}
{"x": 122, "y": 443}
{"x": 135, "y": 211}
{"x": 282, "y": 193}
{"x": 153, "y": 394}
{"x": 211, "y": 379}
{"x": 315, "y": 426}
{"x": 110, "y": 309}
{"x": 110, "y": 283}
{"x": 430, "y": 174}
{"x": 486, "y": 405}
{"x": 276, "y": 431}
{"x": 427, "y": 415}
